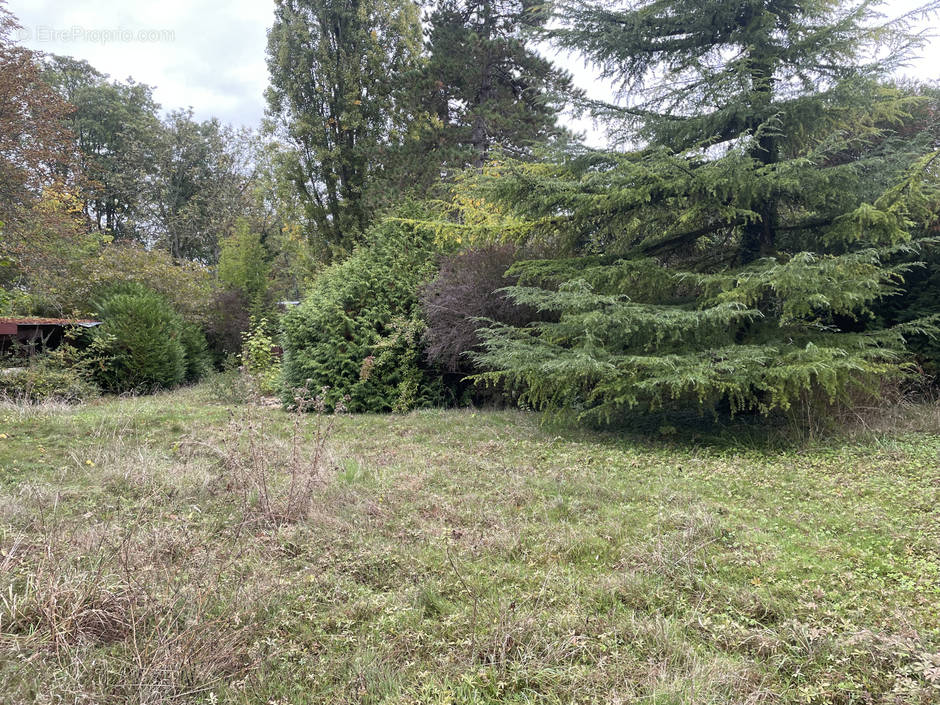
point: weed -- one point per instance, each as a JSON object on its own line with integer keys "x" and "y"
{"x": 276, "y": 479}
{"x": 352, "y": 472}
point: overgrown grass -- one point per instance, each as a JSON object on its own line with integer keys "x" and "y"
{"x": 460, "y": 557}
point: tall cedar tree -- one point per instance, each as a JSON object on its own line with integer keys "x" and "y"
{"x": 336, "y": 70}
{"x": 491, "y": 87}
{"x": 737, "y": 255}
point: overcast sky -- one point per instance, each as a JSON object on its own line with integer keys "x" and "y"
{"x": 210, "y": 54}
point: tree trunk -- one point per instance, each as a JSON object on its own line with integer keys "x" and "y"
{"x": 759, "y": 236}
{"x": 478, "y": 137}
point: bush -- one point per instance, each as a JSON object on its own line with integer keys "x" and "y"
{"x": 465, "y": 290}
{"x": 143, "y": 342}
{"x": 357, "y": 332}
{"x": 38, "y": 383}
{"x": 198, "y": 359}
{"x": 59, "y": 375}
{"x": 259, "y": 357}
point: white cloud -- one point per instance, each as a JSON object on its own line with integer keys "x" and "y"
{"x": 198, "y": 53}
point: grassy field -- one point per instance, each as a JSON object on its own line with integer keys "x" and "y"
{"x": 169, "y": 549}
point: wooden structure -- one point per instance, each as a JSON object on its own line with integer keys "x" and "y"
{"x": 33, "y": 334}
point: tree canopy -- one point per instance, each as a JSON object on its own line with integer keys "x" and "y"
{"x": 116, "y": 129}
{"x": 335, "y": 68}
{"x": 735, "y": 254}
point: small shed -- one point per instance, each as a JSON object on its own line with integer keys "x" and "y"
{"x": 37, "y": 333}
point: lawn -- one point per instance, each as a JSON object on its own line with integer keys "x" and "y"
{"x": 170, "y": 549}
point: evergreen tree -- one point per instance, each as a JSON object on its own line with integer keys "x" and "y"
{"x": 243, "y": 265}
{"x": 337, "y": 69}
{"x": 490, "y": 86}
{"x": 920, "y": 291}
{"x": 737, "y": 254}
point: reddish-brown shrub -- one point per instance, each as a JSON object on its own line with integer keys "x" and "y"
{"x": 465, "y": 290}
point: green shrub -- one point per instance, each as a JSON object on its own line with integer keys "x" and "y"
{"x": 358, "y": 330}
{"x": 198, "y": 359}
{"x": 258, "y": 357}
{"x": 40, "y": 383}
{"x": 59, "y": 375}
{"x": 141, "y": 341}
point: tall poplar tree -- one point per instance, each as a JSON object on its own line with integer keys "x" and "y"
{"x": 336, "y": 69}
{"x": 734, "y": 257}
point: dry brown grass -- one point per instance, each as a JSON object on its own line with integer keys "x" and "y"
{"x": 274, "y": 478}
{"x": 168, "y": 625}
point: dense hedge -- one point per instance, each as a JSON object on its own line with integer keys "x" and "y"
{"x": 144, "y": 344}
{"x": 358, "y": 330}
